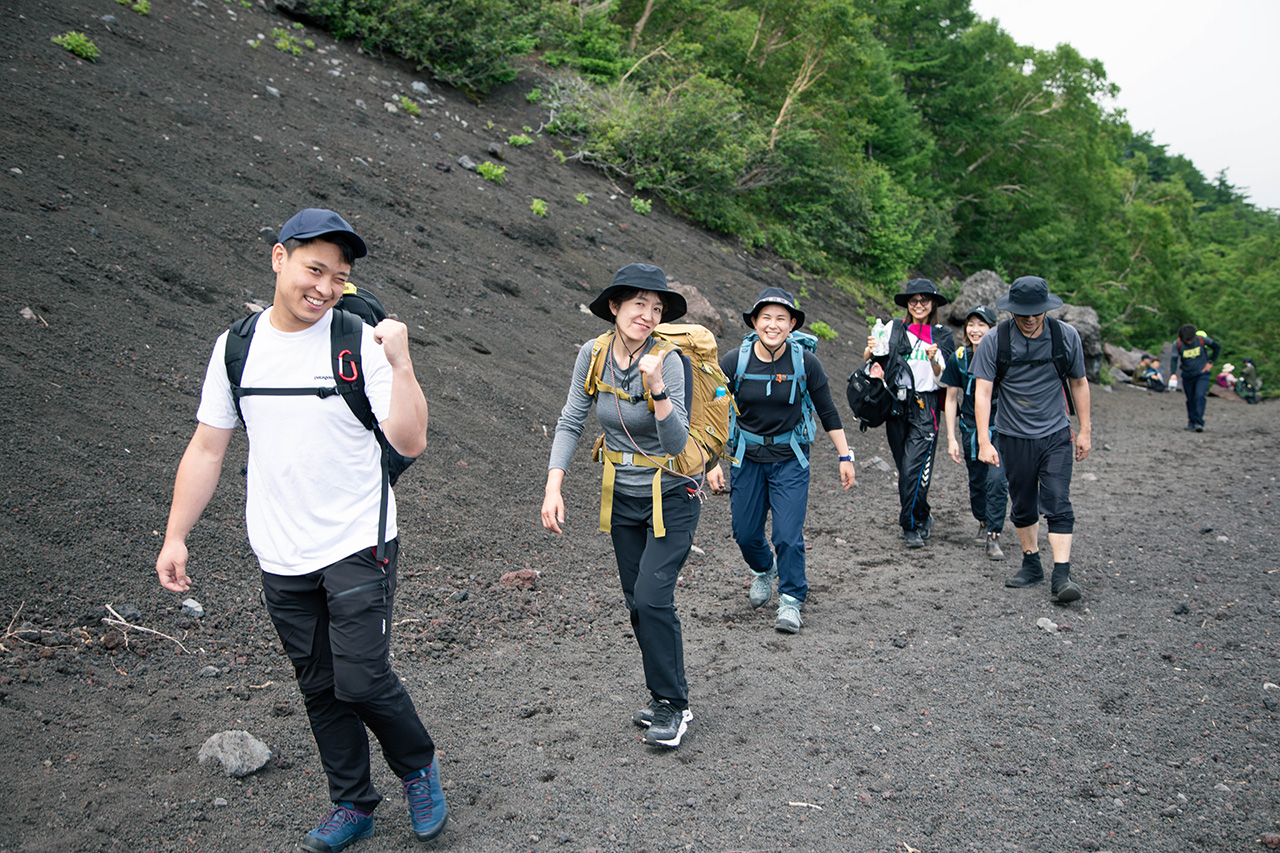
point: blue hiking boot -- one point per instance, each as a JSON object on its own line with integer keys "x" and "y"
{"x": 427, "y": 808}
{"x": 344, "y": 825}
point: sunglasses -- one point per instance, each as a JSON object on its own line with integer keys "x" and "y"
{"x": 920, "y": 300}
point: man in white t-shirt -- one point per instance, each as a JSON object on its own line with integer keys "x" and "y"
{"x": 314, "y": 484}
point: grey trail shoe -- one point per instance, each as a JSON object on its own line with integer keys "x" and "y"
{"x": 993, "y": 547}
{"x": 788, "y": 615}
{"x": 762, "y": 585}
{"x": 913, "y": 538}
{"x": 668, "y": 726}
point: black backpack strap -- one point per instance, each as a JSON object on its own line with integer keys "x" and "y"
{"x": 1004, "y": 351}
{"x": 238, "y": 338}
{"x": 1061, "y": 360}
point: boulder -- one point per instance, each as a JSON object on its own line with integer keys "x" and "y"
{"x": 302, "y": 10}
{"x": 1124, "y": 359}
{"x": 1085, "y": 321}
{"x": 982, "y": 288}
{"x": 700, "y": 309}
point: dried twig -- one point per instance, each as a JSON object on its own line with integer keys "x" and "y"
{"x": 806, "y": 805}
{"x": 119, "y": 620}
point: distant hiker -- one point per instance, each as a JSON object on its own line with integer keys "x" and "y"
{"x": 779, "y": 385}
{"x": 918, "y": 352}
{"x": 1153, "y": 377}
{"x": 315, "y": 495}
{"x": 1249, "y": 384}
{"x": 1227, "y": 378}
{"x": 1196, "y": 351}
{"x": 988, "y": 490}
{"x": 652, "y": 512}
{"x": 1139, "y": 375}
{"x": 1033, "y": 366}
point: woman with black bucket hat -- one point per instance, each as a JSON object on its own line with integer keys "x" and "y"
{"x": 650, "y": 511}
{"x": 918, "y": 351}
{"x": 779, "y": 385}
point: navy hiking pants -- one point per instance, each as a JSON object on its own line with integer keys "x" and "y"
{"x": 782, "y": 488}
{"x": 914, "y": 442}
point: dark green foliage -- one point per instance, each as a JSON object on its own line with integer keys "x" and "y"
{"x": 468, "y": 43}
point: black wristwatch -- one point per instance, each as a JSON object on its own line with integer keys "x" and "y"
{"x": 656, "y": 397}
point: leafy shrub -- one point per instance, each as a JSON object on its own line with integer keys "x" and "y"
{"x": 409, "y": 105}
{"x": 641, "y": 206}
{"x": 558, "y": 154}
{"x": 581, "y": 198}
{"x": 285, "y": 41}
{"x": 467, "y": 43}
{"x": 533, "y": 95}
{"x": 539, "y": 207}
{"x": 519, "y": 140}
{"x": 79, "y": 44}
{"x": 823, "y": 331}
{"x": 591, "y": 47}
{"x": 491, "y": 171}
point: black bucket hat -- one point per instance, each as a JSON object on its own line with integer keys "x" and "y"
{"x": 317, "y": 222}
{"x": 918, "y": 286}
{"x": 985, "y": 313}
{"x": 1028, "y": 296}
{"x": 639, "y": 277}
{"x": 774, "y": 296}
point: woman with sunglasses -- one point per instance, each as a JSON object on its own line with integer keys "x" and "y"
{"x": 918, "y": 351}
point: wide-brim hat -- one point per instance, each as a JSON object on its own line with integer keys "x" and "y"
{"x": 985, "y": 313}
{"x": 1028, "y": 296}
{"x": 317, "y": 222}
{"x": 918, "y": 286}
{"x": 639, "y": 277}
{"x": 773, "y": 296}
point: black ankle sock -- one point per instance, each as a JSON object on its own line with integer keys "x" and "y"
{"x": 1031, "y": 558}
{"x": 1064, "y": 568}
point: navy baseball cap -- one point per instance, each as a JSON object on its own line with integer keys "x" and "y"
{"x": 317, "y": 222}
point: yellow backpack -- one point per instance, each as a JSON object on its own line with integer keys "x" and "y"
{"x": 709, "y": 404}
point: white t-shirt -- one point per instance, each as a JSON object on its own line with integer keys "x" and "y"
{"x": 921, "y": 366}
{"x": 315, "y": 473}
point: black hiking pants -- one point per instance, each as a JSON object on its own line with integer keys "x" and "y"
{"x": 914, "y": 442}
{"x": 335, "y": 626}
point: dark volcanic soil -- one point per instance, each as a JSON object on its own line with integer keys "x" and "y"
{"x": 920, "y": 709}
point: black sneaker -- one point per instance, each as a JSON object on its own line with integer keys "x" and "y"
{"x": 644, "y": 717}
{"x": 1030, "y": 574}
{"x": 926, "y": 528}
{"x": 668, "y": 726}
{"x": 1064, "y": 589}
{"x": 913, "y": 538}
{"x": 1199, "y": 427}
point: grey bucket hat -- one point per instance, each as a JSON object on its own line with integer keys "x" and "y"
{"x": 1028, "y": 296}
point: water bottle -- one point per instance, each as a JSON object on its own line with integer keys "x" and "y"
{"x": 880, "y": 331}
{"x": 721, "y": 391}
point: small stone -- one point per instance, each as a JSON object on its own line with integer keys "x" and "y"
{"x": 273, "y": 91}
{"x": 129, "y": 612}
{"x": 27, "y": 314}
{"x": 15, "y": 170}
{"x": 521, "y": 579}
{"x": 694, "y": 549}
{"x": 390, "y": 107}
{"x": 210, "y": 672}
{"x": 360, "y": 103}
{"x": 1206, "y": 529}
{"x": 420, "y": 87}
{"x": 1182, "y": 609}
{"x": 1223, "y": 539}
{"x": 1106, "y": 447}
{"x": 1221, "y": 787}
{"x": 239, "y": 752}
{"x": 219, "y": 803}
{"x": 193, "y": 608}
{"x": 495, "y": 150}
{"x": 108, "y": 19}
{"x": 1169, "y": 811}
{"x": 467, "y": 163}
{"x": 1046, "y": 624}
{"x": 1270, "y": 839}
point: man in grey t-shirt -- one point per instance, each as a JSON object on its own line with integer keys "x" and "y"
{"x": 1034, "y": 428}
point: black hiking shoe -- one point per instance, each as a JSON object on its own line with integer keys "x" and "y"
{"x": 644, "y": 717}
{"x": 1063, "y": 588}
{"x": 913, "y": 538}
{"x": 926, "y": 528}
{"x": 1030, "y": 574}
{"x": 668, "y": 726}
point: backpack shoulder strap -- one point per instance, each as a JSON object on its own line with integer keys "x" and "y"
{"x": 239, "y": 337}
{"x": 744, "y": 355}
{"x": 346, "y": 332}
{"x": 1061, "y": 360}
{"x": 1004, "y": 350}
{"x": 595, "y": 371}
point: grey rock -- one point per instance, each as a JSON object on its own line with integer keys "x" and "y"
{"x": 1085, "y": 320}
{"x": 129, "y": 612}
{"x": 420, "y": 87}
{"x": 219, "y": 802}
{"x": 879, "y": 464}
{"x": 467, "y": 163}
{"x": 302, "y": 10}
{"x": 700, "y": 309}
{"x": 239, "y": 752}
{"x": 1124, "y": 359}
{"x": 193, "y": 608}
{"x": 982, "y": 288}
{"x": 210, "y": 672}
{"x": 268, "y": 234}
{"x": 109, "y": 19}
{"x": 360, "y": 103}
{"x": 495, "y": 150}
{"x": 273, "y": 91}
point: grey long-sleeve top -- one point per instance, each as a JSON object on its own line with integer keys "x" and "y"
{"x": 656, "y": 437}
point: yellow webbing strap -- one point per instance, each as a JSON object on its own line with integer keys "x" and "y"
{"x": 612, "y": 458}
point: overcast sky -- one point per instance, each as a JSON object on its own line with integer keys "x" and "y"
{"x": 1203, "y": 76}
